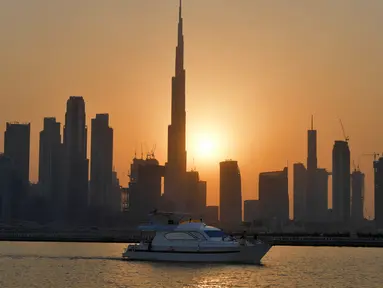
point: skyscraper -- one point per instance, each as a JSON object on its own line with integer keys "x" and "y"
{"x": 312, "y": 187}
{"x": 11, "y": 187}
{"x": 300, "y": 189}
{"x": 144, "y": 187}
{"x": 357, "y": 199}
{"x": 341, "y": 181}
{"x": 211, "y": 215}
{"x": 176, "y": 164}
{"x": 196, "y": 194}
{"x": 274, "y": 196}
{"x": 17, "y": 147}
{"x": 101, "y": 164}
{"x": 252, "y": 211}
{"x": 76, "y": 162}
{"x": 115, "y": 199}
{"x": 201, "y": 196}
{"x": 378, "y": 193}
{"x": 312, "y": 162}
{"x": 50, "y": 161}
{"x": 230, "y": 200}
{"x": 191, "y": 187}
{"x": 321, "y": 211}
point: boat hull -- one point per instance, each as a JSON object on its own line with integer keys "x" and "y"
{"x": 243, "y": 255}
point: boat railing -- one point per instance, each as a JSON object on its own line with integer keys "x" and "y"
{"x": 191, "y": 221}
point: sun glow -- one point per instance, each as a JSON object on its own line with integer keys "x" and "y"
{"x": 206, "y": 147}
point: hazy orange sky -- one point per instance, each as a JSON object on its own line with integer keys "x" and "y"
{"x": 256, "y": 71}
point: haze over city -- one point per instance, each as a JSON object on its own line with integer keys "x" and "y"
{"x": 256, "y": 72}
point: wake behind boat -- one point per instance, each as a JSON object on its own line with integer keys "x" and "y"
{"x": 194, "y": 241}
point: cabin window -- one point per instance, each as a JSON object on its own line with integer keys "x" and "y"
{"x": 179, "y": 236}
{"x": 215, "y": 233}
{"x": 198, "y": 235}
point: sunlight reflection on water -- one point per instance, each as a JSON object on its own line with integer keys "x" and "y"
{"x": 99, "y": 265}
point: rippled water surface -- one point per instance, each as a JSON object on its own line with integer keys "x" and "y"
{"x": 99, "y": 265}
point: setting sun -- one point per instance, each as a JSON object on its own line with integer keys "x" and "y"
{"x": 205, "y": 146}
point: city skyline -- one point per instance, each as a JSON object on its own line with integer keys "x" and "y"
{"x": 261, "y": 151}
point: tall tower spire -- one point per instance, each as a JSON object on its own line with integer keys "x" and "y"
{"x": 312, "y": 122}
{"x": 312, "y": 147}
{"x": 176, "y": 164}
{"x": 180, "y": 9}
{"x": 180, "y": 44}
{"x": 312, "y": 197}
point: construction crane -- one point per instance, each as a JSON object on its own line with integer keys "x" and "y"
{"x": 194, "y": 168}
{"x": 346, "y": 138}
{"x": 356, "y": 168}
{"x": 374, "y": 154}
{"x": 151, "y": 155}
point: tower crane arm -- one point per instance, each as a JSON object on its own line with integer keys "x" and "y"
{"x": 346, "y": 138}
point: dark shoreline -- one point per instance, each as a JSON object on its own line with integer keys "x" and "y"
{"x": 274, "y": 241}
{"x": 324, "y": 241}
{"x": 68, "y": 237}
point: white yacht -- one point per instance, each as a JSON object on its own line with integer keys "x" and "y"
{"x": 194, "y": 241}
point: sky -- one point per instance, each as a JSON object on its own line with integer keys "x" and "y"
{"x": 255, "y": 73}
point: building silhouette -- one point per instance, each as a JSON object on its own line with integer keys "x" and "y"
{"x": 101, "y": 166}
{"x": 195, "y": 194}
{"x": 357, "y": 198}
{"x": 274, "y": 196}
{"x": 341, "y": 193}
{"x": 201, "y": 197}
{"x": 300, "y": 190}
{"x": 230, "y": 202}
{"x": 17, "y": 147}
{"x": 76, "y": 162}
{"x": 252, "y": 211}
{"x": 312, "y": 211}
{"x": 144, "y": 190}
{"x": 211, "y": 215}
{"x": 125, "y": 199}
{"x": 5, "y": 187}
{"x": 321, "y": 211}
{"x": 50, "y": 164}
{"x": 191, "y": 187}
{"x": 115, "y": 197}
{"x": 176, "y": 163}
{"x": 11, "y": 188}
{"x": 378, "y": 193}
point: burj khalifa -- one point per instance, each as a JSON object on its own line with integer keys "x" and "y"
{"x": 175, "y": 170}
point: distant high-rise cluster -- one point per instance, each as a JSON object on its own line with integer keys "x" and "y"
{"x": 62, "y": 194}
{"x": 310, "y": 194}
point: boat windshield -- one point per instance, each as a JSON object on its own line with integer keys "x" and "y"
{"x": 215, "y": 233}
